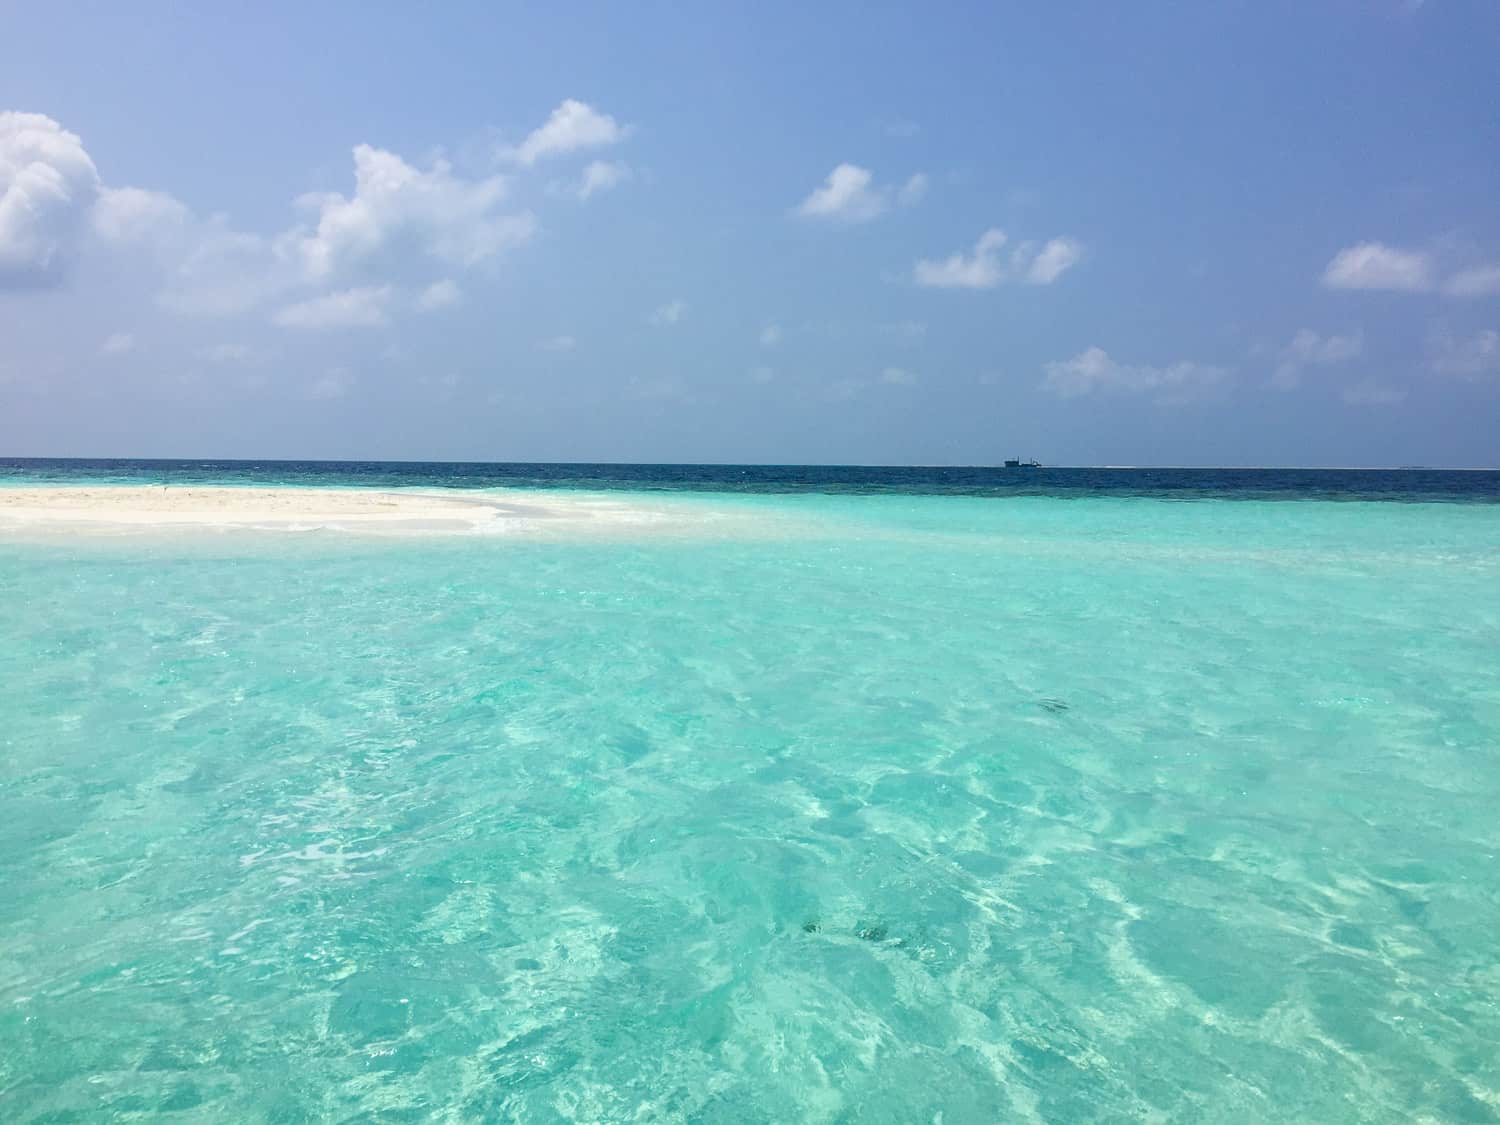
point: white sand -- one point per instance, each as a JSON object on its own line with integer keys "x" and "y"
{"x": 123, "y": 508}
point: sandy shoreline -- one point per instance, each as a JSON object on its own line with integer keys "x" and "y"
{"x": 123, "y": 508}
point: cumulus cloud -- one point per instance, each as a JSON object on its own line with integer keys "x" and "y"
{"x": 669, "y": 313}
{"x": 1480, "y": 281}
{"x": 351, "y": 308}
{"x": 1368, "y": 393}
{"x": 397, "y": 208}
{"x": 980, "y": 270}
{"x": 1473, "y": 357}
{"x": 846, "y": 197}
{"x": 118, "y": 344}
{"x": 1374, "y": 265}
{"x": 1309, "y": 349}
{"x": 439, "y": 295}
{"x": 572, "y": 126}
{"x": 770, "y": 335}
{"x": 47, "y": 184}
{"x": 849, "y": 195}
{"x": 397, "y": 215}
{"x": 1093, "y": 371}
{"x": 985, "y": 267}
{"x": 1057, "y": 257}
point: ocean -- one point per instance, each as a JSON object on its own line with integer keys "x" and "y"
{"x": 893, "y": 795}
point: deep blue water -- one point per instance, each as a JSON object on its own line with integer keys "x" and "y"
{"x": 1423, "y": 485}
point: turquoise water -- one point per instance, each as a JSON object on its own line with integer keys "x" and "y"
{"x": 900, "y": 808}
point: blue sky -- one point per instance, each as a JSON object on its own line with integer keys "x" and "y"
{"x": 1092, "y": 233}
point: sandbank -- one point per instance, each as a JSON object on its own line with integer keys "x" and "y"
{"x": 124, "y": 508}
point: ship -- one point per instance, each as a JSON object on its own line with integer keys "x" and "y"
{"x": 1018, "y": 464}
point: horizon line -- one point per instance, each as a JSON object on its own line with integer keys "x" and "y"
{"x": 768, "y": 464}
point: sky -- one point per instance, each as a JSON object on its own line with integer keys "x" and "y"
{"x": 1227, "y": 232}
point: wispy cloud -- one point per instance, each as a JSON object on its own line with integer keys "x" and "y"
{"x": 556, "y": 344}
{"x": 1470, "y": 357}
{"x": 898, "y": 377}
{"x": 572, "y": 126}
{"x": 351, "y": 308}
{"x": 118, "y": 344}
{"x": 1056, "y": 258}
{"x": 333, "y": 384}
{"x": 770, "y": 335}
{"x": 985, "y": 267}
{"x": 1479, "y": 281}
{"x": 1093, "y": 371}
{"x": 850, "y": 195}
{"x": 913, "y": 190}
{"x": 1309, "y": 349}
{"x": 1368, "y": 393}
{"x": 601, "y": 176}
{"x": 439, "y": 295}
{"x": 670, "y": 313}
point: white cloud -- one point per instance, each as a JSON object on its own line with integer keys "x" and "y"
{"x": 1092, "y": 370}
{"x": 770, "y": 335}
{"x": 556, "y": 344}
{"x": 335, "y": 384}
{"x": 1480, "y": 281}
{"x": 226, "y": 353}
{"x": 1369, "y": 393}
{"x": 601, "y": 175}
{"x": 1471, "y": 358}
{"x": 218, "y": 271}
{"x": 1055, "y": 259}
{"x": 913, "y": 190}
{"x": 845, "y": 197}
{"x": 396, "y": 213}
{"x": 984, "y": 268}
{"x": 980, "y": 270}
{"x": 1309, "y": 349}
{"x": 898, "y": 376}
{"x": 351, "y": 308}
{"x": 118, "y": 344}
{"x": 573, "y": 125}
{"x": 439, "y": 295}
{"x": 670, "y": 313}
{"x": 762, "y": 374}
{"x": 135, "y": 215}
{"x": 1374, "y": 265}
{"x": 397, "y": 208}
{"x": 47, "y": 183}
